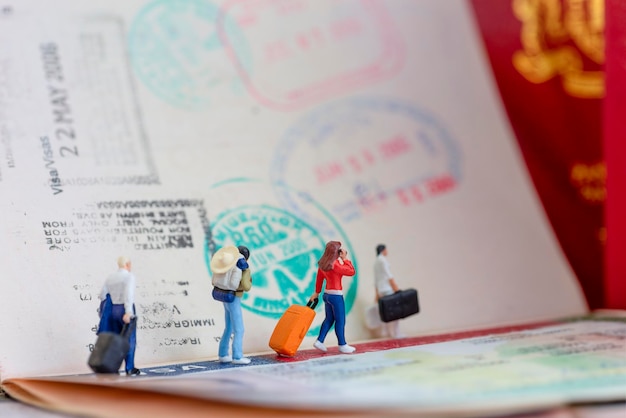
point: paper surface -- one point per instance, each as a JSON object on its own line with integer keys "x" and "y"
{"x": 13, "y": 409}
{"x": 576, "y": 362}
{"x": 540, "y": 367}
{"x": 164, "y": 129}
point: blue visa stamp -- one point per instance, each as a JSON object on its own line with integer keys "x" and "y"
{"x": 175, "y": 50}
{"x": 361, "y": 155}
{"x": 284, "y": 249}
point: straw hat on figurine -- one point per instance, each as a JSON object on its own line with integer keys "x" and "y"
{"x": 224, "y": 259}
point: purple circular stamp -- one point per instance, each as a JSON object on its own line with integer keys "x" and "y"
{"x": 360, "y": 155}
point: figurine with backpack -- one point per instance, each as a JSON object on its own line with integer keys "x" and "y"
{"x": 231, "y": 277}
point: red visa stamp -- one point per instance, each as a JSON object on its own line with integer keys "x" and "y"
{"x": 305, "y": 51}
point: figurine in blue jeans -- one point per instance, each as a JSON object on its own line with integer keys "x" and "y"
{"x": 117, "y": 307}
{"x": 232, "y": 262}
{"x": 333, "y": 266}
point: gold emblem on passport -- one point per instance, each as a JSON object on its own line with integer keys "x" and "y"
{"x": 562, "y": 38}
{"x": 590, "y": 180}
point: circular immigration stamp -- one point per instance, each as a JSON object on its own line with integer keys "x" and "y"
{"x": 284, "y": 249}
{"x": 176, "y": 52}
{"x": 360, "y": 155}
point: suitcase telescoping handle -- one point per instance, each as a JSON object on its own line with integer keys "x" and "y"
{"x": 127, "y": 329}
{"x": 312, "y": 303}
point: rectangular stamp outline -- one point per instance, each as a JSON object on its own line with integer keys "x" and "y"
{"x": 393, "y": 49}
{"x": 152, "y": 176}
{"x": 146, "y": 172}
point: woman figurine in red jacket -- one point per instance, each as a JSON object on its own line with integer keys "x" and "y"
{"x": 333, "y": 265}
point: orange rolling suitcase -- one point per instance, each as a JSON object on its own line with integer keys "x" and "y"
{"x": 292, "y": 327}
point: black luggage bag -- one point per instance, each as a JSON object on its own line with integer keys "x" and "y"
{"x": 111, "y": 349}
{"x": 398, "y": 305}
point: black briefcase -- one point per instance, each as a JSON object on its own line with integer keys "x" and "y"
{"x": 398, "y": 305}
{"x": 111, "y": 349}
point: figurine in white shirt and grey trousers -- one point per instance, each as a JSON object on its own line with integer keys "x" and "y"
{"x": 385, "y": 285}
{"x": 118, "y": 307}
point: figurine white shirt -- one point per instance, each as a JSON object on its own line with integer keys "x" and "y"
{"x": 121, "y": 286}
{"x": 382, "y": 274}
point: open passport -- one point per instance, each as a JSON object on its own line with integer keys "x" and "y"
{"x": 163, "y": 130}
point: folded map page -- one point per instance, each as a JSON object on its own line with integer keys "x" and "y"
{"x": 513, "y": 370}
{"x": 163, "y": 130}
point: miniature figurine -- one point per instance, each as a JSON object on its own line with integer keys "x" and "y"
{"x": 333, "y": 265}
{"x": 385, "y": 285}
{"x": 117, "y": 307}
{"x": 231, "y": 277}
